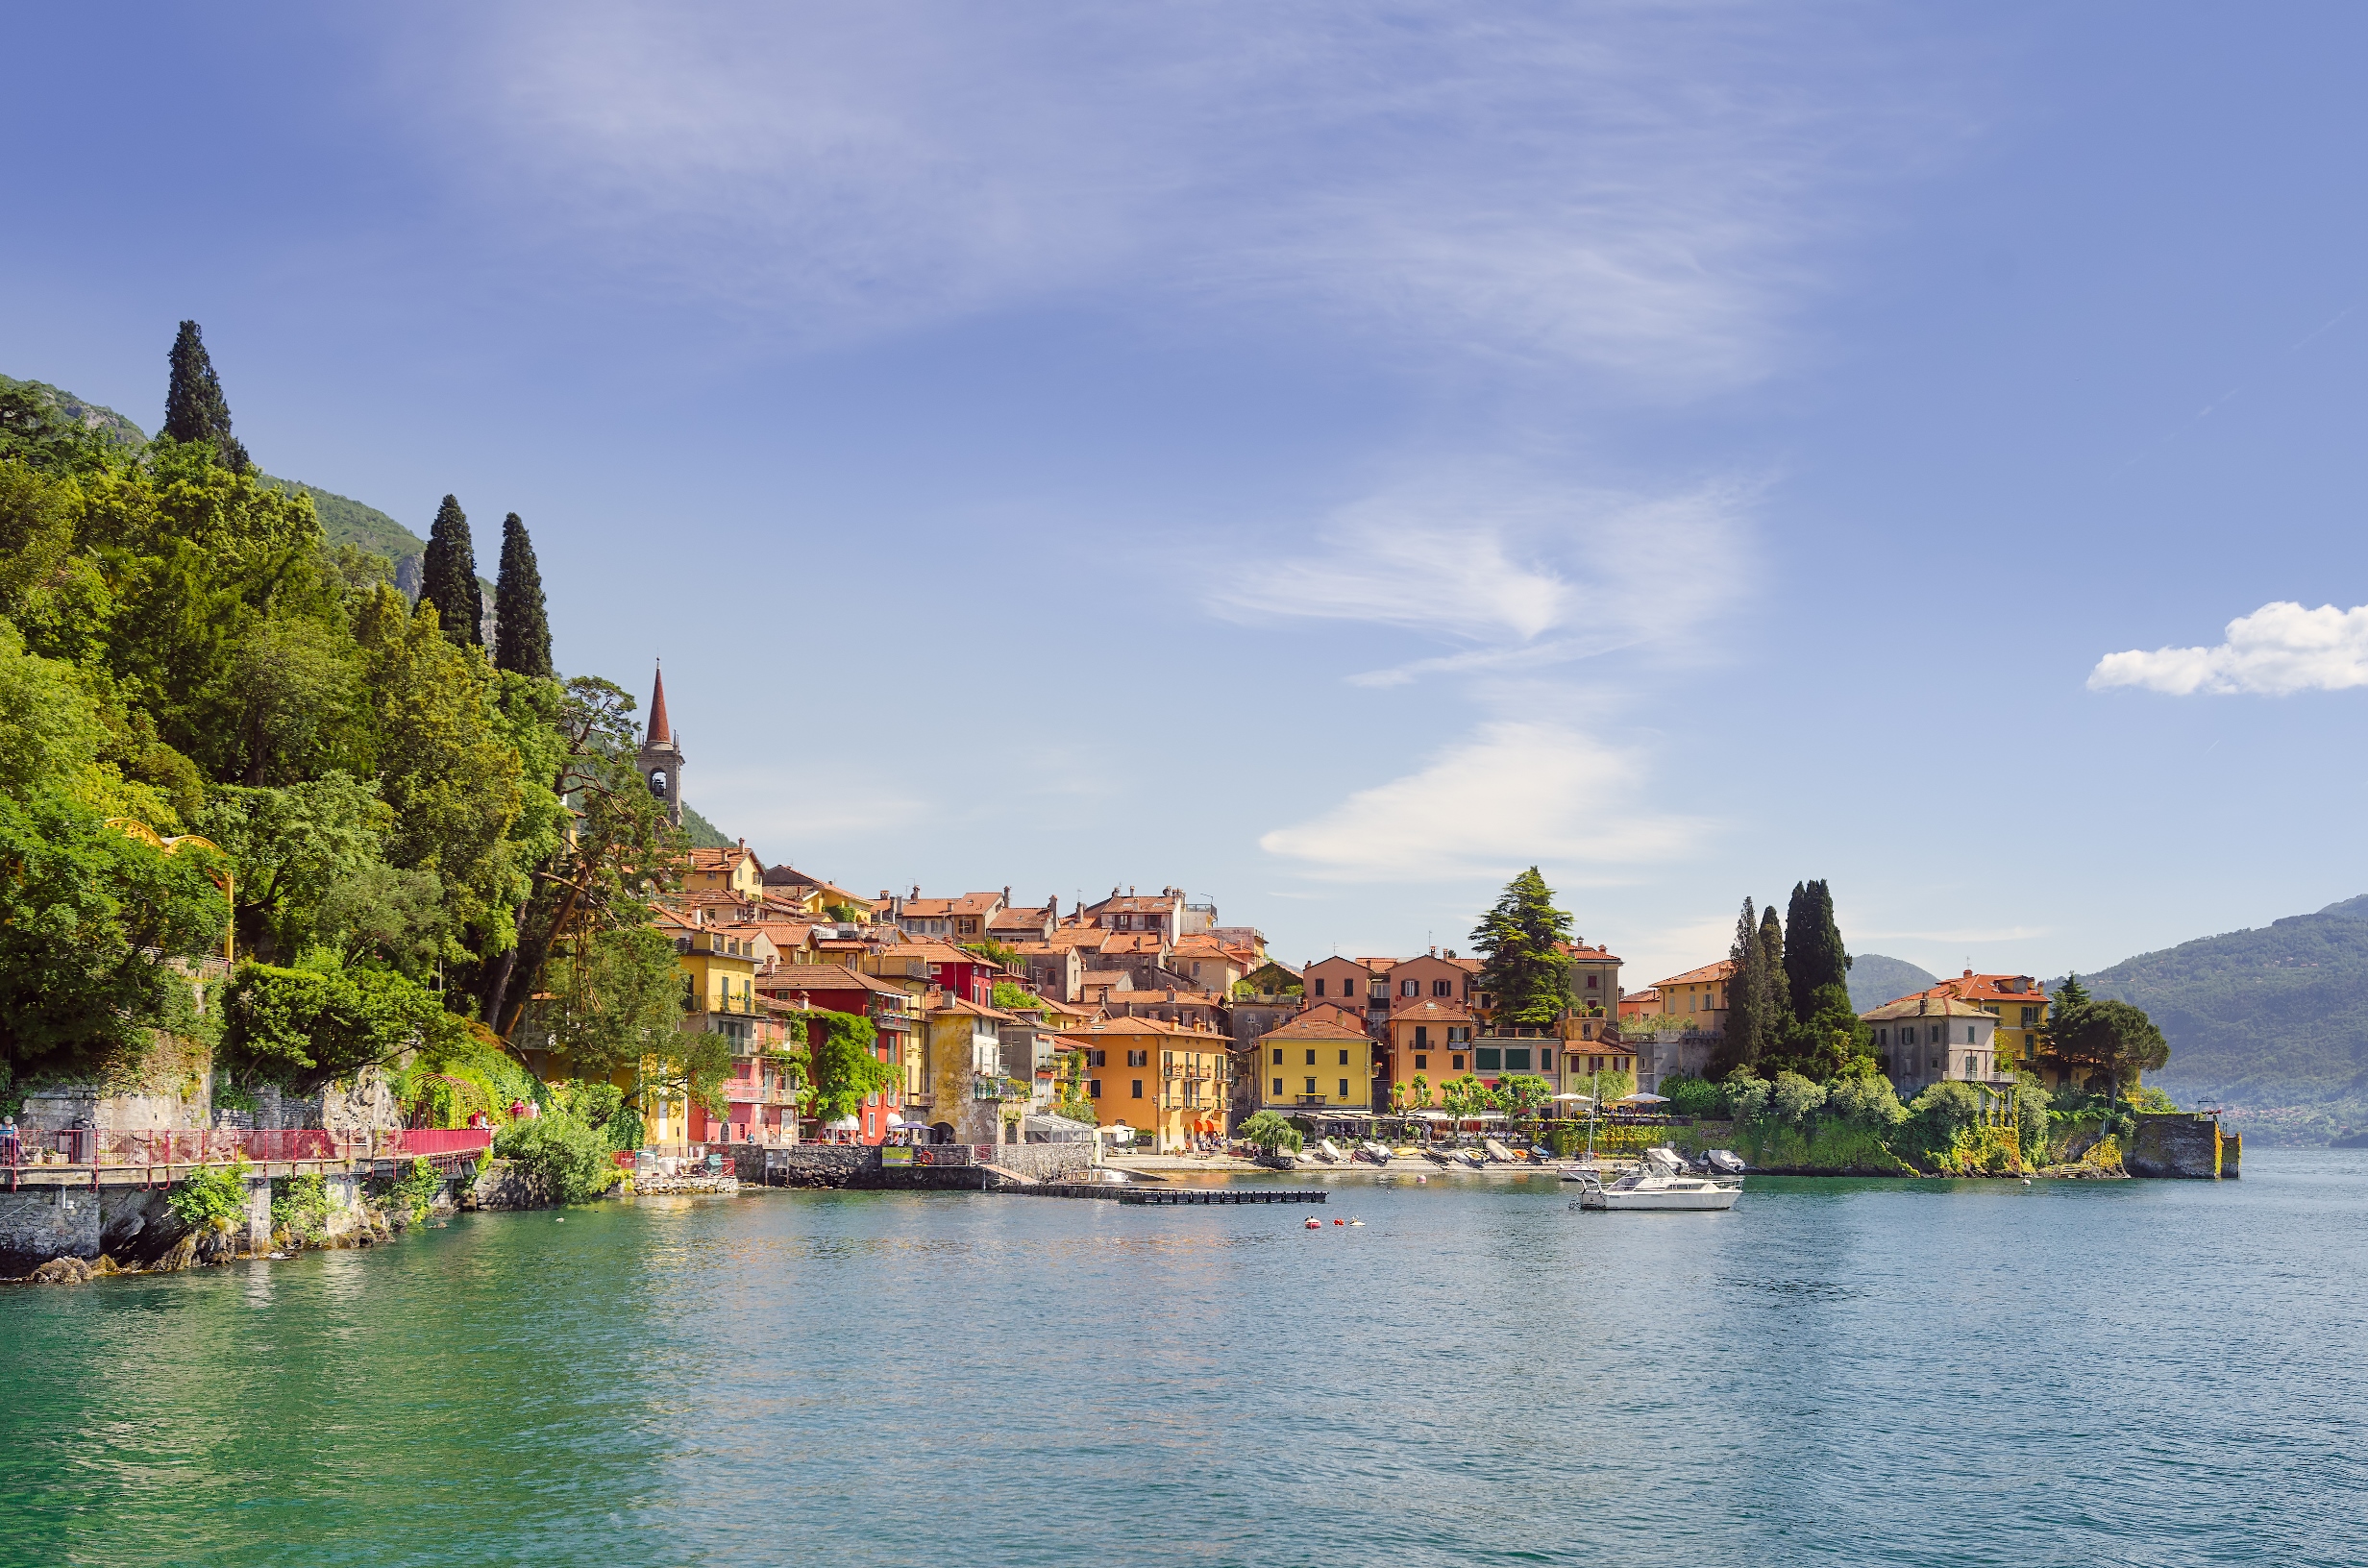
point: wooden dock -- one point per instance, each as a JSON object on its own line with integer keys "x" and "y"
{"x": 1166, "y": 1196}
{"x": 1158, "y": 1196}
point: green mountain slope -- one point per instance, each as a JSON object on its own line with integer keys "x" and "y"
{"x": 2273, "y": 1018}
{"x": 344, "y": 520}
{"x": 704, "y": 834}
{"x": 1875, "y": 980}
{"x": 90, "y": 416}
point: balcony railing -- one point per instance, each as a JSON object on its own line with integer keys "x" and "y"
{"x": 202, "y": 1146}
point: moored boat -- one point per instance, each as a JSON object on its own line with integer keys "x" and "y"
{"x": 1377, "y": 1152}
{"x": 1329, "y": 1153}
{"x": 1661, "y": 1182}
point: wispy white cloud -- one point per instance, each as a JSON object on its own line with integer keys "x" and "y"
{"x": 2279, "y": 648}
{"x": 1509, "y": 795}
{"x": 1632, "y": 188}
{"x": 1495, "y": 559}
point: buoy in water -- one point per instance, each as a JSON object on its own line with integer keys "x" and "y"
{"x": 1315, "y": 1224}
{"x": 1340, "y": 1222}
{"x": 1422, "y": 1181}
{"x": 1356, "y": 1223}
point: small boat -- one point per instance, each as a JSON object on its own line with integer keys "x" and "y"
{"x": 1329, "y": 1154}
{"x": 1377, "y": 1152}
{"x": 1496, "y": 1151}
{"x": 1466, "y": 1157}
{"x": 1661, "y": 1182}
{"x": 1726, "y": 1162}
{"x": 1438, "y": 1156}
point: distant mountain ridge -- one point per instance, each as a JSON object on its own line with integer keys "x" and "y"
{"x": 2274, "y": 1017}
{"x": 344, "y": 520}
{"x": 1875, "y": 980}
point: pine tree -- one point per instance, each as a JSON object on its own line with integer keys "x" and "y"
{"x": 1747, "y": 998}
{"x": 1814, "y": 955}
{"x": 1523, "y": 938}
{"x": 447, "y": 575}
{"x": 521, "y": 633}
{"x": 194, "y": 408}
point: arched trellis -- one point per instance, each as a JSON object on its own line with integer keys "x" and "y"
{"x": 219, "y": 872}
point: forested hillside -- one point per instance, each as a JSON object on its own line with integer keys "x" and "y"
{"x": 1875, "y": 980}
{"x": 2272, "y": 1018}
{"x": 219, "y": 716}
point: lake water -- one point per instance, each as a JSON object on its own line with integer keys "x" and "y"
{"x": 1835, "y": 1372}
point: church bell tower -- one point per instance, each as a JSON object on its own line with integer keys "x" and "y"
{"x": 661, "y": 755}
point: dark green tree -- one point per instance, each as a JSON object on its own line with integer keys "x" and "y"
{"x": 1523, "y": 938}
{"x": 447, "y": 575}
{"x": 195, "y": 411}
{"x": 1814, "y": 955}
{"x": 1750, "y": 1002}
{"x": 2105, "y": 1045}
{"x": 1778, "y": 988}
{"x": 521, "y": 633}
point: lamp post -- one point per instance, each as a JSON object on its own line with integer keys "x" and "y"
{"x": 220, "y": 875}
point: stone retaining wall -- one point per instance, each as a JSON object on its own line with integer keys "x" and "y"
{"x": 2178, "y": 1144}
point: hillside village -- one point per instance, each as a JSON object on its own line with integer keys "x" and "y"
{"x": 1142, "y": 1016}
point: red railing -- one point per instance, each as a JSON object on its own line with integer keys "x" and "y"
{"x": 199, "y": 1146}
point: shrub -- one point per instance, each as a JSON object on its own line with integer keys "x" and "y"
{"x": 1747, "y": 1094}
{"x": 210, "y": 1196}
{"x": 1692, "y": 1096}
{"x": 1794, "y": 1098}
{"x": 300, "y": 1207}
{"x": 1867, "y": 1102}
{"x": 572, "y": 1160}
{"x": 416, "y": 1188}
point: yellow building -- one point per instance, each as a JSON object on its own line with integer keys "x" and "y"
{"x": 734, "y": 872}
{"x": 1171, "y": 1080}
{"x": 719, "y": 970}
{"x": 1696, "y": 999}
{"x": 1319, "y": 1061}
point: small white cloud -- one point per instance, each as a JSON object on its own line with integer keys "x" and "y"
{"x": 1508, "y": 796}
{"x": 2278, "y": 649}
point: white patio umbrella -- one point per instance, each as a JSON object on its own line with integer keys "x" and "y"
{"x": 1568, "y": 1096}
{"x": 1641, "y": 1099}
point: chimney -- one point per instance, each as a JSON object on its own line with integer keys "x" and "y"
{"x": 1007, "y": 895}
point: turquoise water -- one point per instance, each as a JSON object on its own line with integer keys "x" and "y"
{"x": 1836, "y": 1372}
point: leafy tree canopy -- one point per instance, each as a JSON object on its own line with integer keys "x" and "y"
{"x": 1523, "y": 938}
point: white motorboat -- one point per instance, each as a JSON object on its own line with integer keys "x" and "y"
{"x": 1377, "y": 1152}
{"x": 1726, "y": 1162}
{"x": 1664, "y": 1182}
{"x": 1328, "y": 1152}
{"x": 1496, "y": 1151}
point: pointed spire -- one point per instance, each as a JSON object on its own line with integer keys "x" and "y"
{"x": 660, "y": 732}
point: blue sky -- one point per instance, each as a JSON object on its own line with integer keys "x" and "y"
{"x": 1332, "y": 456}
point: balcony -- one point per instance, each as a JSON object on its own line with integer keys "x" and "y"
{"x": 1308, "y": 1099}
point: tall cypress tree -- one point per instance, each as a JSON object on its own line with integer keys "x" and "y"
{"x": 194, "y": 408}
{"x": 447, "y": 575}
{"x": 521, "y": 633}
{"x": 1780, "y": 997}
{"x": 1814, "y": 955}
{"x": 1747, "y": 998}
{"x": 1527, "y": 971}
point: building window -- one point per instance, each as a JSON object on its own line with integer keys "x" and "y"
{"x": 1517, "y": 1060}
{"x": 1423, "y": 1037}
{"x": 1092, "y": 1087}
{"x": 1491, "y": 1059}
{"x": 1344, "y": 1059}
{"x": 1457, "y": 1062}
{"x": 1311, "y": 1085}
{"x": 1971, "y": 1071}
{"x": 1590, "y": 984}
{"x": 1343, "y": 1089}
{"x": 1410, "y": 987}
{"x": 1137, "y": 1088}
{"x": 1278, "y": 1056}
{"x": 1421, "y": 1062}
{"x": 1439, "y": 988}
{"x": 1278, "y": 1088}
{"x": 1311, "y": 1059}
{"x": 1320, "y": 984}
